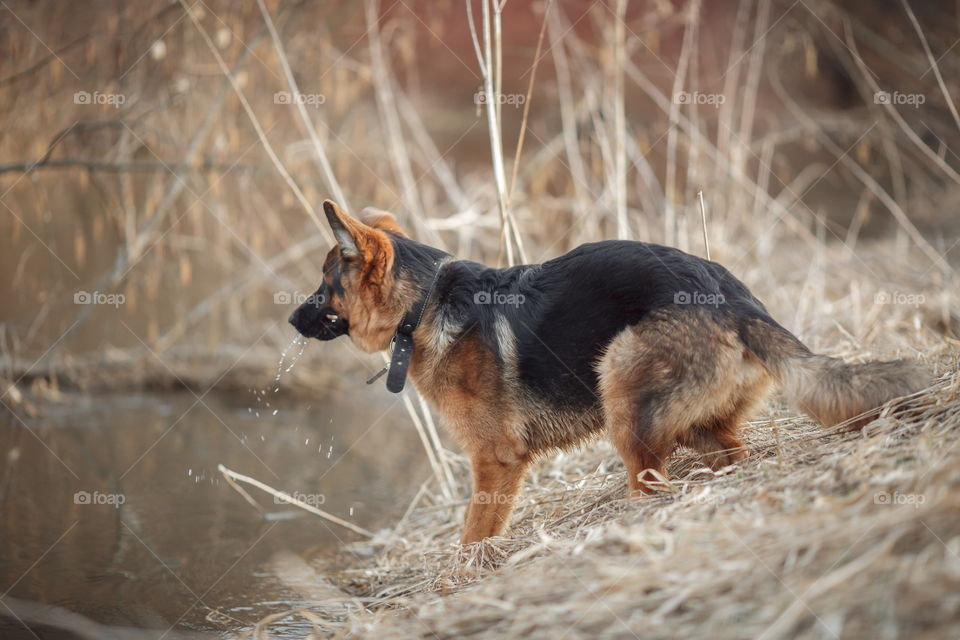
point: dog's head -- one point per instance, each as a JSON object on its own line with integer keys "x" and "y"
{"x": 360, "y": 295}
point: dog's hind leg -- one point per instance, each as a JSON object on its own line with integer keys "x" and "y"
{"x": 677, "y": 377}
{"x": 642, "y": 441}
{"x": 718, "y": 437}
{"x": 718, "y": 441}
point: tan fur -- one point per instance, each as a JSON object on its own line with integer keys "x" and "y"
{"x": 373, "y": 300}
{"x": 660, "y": 388}
{"x": 383, "y": 220}
{"x": 828, "y": 389}
{"x": 463, "y": 382}
{"x": 833, "y": 391}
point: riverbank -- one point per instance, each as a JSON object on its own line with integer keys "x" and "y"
{"x": 820, "y": 533}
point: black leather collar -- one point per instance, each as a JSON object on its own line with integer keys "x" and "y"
{"x": 403, "y": 339}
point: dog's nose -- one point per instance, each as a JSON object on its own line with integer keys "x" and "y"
{"x": 294, "y": 317}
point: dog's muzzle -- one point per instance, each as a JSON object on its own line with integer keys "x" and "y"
{"x": 322, "y": 323}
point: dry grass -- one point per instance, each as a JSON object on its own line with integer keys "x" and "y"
{"x": 821, "y": 533}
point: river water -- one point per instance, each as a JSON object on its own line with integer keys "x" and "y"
{"x": 112, "y": 505}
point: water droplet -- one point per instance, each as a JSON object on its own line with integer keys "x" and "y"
{"x": 297, "y": 340}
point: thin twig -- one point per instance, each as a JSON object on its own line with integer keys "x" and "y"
{"x": 526, "y": 103}
{"x": 433, "y": 456}
{"x": 891, "y": 110}
{"x": 933, "y": 62}
{"x": 619, "y": 122}
{"x": 243, "y": 492}
{"x": 703, "y": 219}
{"x": 286, "y": 497}
{"x": 281, "y": 169}
{"x": 321, "y": 155}
{"x": 126, "y": 167}
{"x": 509, "y": 234}
{"x": 670, "y": 224}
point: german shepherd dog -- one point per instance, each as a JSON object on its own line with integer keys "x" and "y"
{"x": 656, "y": 347}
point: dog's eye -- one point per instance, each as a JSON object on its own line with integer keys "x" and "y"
{"x": 349, "y": 259}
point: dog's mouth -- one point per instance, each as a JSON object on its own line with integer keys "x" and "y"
{"x": 332, "y": 326}
{"x": 321, "y": 327}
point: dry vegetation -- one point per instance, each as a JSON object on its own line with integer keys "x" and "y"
{"x": 836, "y": 209}
{"x": 820, "y": 534}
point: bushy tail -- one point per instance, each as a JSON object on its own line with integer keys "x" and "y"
{"x": 828, "y": 389}
{"x": 833, "y": 391}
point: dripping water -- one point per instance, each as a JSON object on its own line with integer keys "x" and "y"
{"x": 283, "y": 366}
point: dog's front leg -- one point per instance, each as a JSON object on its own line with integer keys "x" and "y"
{"x": 496, "y": 483}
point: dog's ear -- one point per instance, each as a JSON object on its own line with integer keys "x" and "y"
{"x": 346, "y": 230}
{"x": 383, "y": 220}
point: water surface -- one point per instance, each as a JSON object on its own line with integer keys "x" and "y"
{"x": 112, "y": 505}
